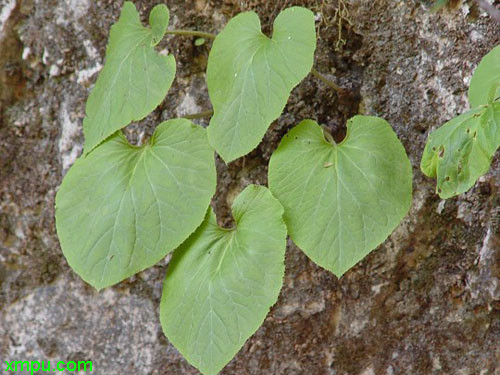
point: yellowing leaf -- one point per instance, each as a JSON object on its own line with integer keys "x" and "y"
{"x": 460, "y": 151}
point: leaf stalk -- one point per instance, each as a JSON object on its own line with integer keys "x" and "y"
{"x": 200, "y": 34}
{"x": 328, "y": 135}
{"x": 326, "y": 81}
{"x": 207, "y": 113}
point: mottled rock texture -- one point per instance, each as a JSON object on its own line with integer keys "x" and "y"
{"x": 427, "y": 301}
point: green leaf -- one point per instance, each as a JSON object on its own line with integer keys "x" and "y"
{"x": 221, "y": 283}
{"x": 122, "y": 208}
{"x": 199, "y": 42}
{"x": 135, "y": 78}
{"x": 485, "y": 82}
{"x": 250, "y": 76}
{"x": 460, "y": 151}
{"x": 341, "y": 201}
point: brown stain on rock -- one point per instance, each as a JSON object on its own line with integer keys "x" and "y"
{"x": 12, "y": 80}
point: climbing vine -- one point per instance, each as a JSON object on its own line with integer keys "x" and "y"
{"x": 121, "y": 208}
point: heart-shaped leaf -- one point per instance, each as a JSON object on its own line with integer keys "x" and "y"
{"x": 122, "y": 208}
{"x": 341, "y": 201}
{"x": 485, "y": 83}
{"x": 221, "y": 283}
{"x": 250, "y": 76}
{"x": 460, "y": 151}
{"x": 135, "y": 78}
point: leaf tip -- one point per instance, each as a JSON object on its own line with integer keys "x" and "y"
{"x": 158, "y": 20}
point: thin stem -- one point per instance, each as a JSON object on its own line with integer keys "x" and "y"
{"x": 207, "y": 113}
{"x": 326, "y": 81}
{"x": 492, "y": 10}
{"x": 200, "y": 34}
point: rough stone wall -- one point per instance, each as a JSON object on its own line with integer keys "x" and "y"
{"x": 427, "y": 301}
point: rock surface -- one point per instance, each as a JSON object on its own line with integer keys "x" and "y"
{"x": 427, "y": 301}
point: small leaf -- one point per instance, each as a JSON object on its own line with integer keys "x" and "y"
{"x": 250, "y": 76}
{"x": 123, "y": 208}
{"x": 135, "y": 78}
{"x": 341, "y": 201}
{"x": 199, "y": 42}
{"x": 221, "y": 283}
{"x": 485, "y": 82}
{"x": 460, "y": 151}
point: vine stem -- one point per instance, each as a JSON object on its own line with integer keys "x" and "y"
{"x": 207, "y": 113}
{"x": 326, "y": 81}
{"x": 202, "y": 34}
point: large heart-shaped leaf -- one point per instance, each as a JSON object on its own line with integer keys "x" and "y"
{"x": 341, "y": 201}
{"x": 250, "y": 76}
{"x": 135, "y": 78}
{"x": 221, "y": 283}
{"x": 485, "y": 83}
{"x": 460, "y": 151}
{"x": 122, "y": 208}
